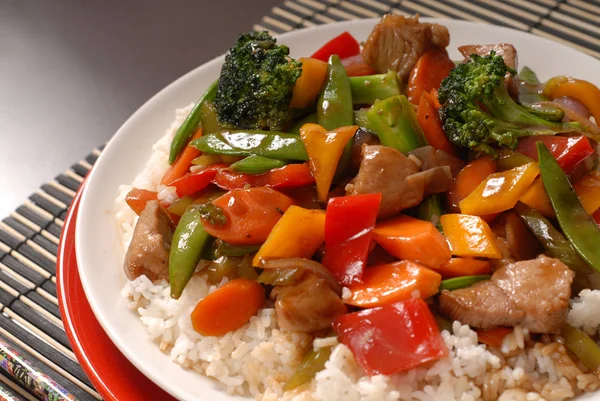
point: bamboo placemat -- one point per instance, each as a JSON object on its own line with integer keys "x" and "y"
{"x": 30, "y": 321}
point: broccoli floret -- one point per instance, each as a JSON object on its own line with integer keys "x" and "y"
{"x": 256, "y": 83}
{"x": 477, "y": 110}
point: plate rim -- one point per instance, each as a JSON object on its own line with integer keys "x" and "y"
{"x": 339, "y": 26}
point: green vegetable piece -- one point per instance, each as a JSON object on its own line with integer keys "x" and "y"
{"x": 312, "y": 363}
{"x": 368, "y": 89}
{"x": 208, "y": 118}
{"x": 395, "y": 123}
{"x": 276, "y": 145}
{"x": 230, "y": 267}
{"x": 280, "y": 276}
{"x": 507, "y": 159}
{"x": 257, "y": 164}
{"x": 187, "y": 246}
{"x": 360, "y": 118}
{"x": 431, "y": 209}
{"x": 256, "y": 83}
{"x": 180, "y": 205}
{"x": 213, "y": 214}
{"x": 547, "y": 110}
{"x": 334, "y": 107}
{"x": 225, "y": 249}
{"x": 295, "y": 128}
{"x": 554, "y": 243}
{"x": 584, "y": 348}
{"x": 529, "y": 76}
{"x": 461, "y": 282}
{"x": 578, "y": 226}
{"x": 186, "y": 130}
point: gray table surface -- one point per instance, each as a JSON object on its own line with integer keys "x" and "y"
{"x": 72, "y": 71}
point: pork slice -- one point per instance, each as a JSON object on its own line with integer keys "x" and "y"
{"x": 384, "y": 170}
{"x": 397, "y": 42}
{"x": 533, "y": 293}
{"x": 148, "y": 252}
{"x": 308, "y": 306}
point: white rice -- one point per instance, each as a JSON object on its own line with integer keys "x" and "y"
{"x": 258, "y": 359}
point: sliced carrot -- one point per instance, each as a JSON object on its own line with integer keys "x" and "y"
{"x": 457, "y": 267}
{"x": 493, "y": 337}
{"x": 228, "y": 308}
{"x": 309, "y": 84}
{"x": 137, "y": 199}
{"x": 429, "y": 72}
{"x": 468, "y": 179}
{"x": 183, "y": 163}
{"x": 427, "y": 117}
{"x": 394, "y": 282}
{"x": 251, "y": 215}
{"x": 412, "y": 239}
{"x": 357, "y": 67}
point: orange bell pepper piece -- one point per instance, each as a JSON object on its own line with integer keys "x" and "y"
{"x": 500, "y": 191}
{"x": 324, "y": 152}
{"x": 588, "y": 190}
{"x": 457, "y": 267}
{"x": 309, "y": 84}
{"x": 584, "y": 91}
{"x": 468, "y": 179}
{"x": 394, "y": 282}
{"x": 412, "y": 239}
{"x": 536, "y": 198}
{"x": 298, "y": 234}
{"x": 470, "y": 236}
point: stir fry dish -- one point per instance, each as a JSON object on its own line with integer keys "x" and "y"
{"x": 384, "y": 201}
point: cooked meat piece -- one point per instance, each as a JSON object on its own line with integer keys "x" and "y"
{"x": 148, "y": 252}
{"x": 385, "y": 170}
{"x": 308, "y": 306}
{"x": 432, "y": 181}
{"x": 397, "y": 42}
{"x": 533, "y": 293}
{"x": 508, "y": 53}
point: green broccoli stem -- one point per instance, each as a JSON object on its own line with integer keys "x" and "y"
{"x": 394, "y": 121}
{"x": 367, "y": 89}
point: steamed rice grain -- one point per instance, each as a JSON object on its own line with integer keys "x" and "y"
{"x": 258, "y": 358}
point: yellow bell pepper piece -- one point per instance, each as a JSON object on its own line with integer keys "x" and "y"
{"x": 584, "y": 91}
{"x": 308, "y": 86}
{"x": 470, "y": 236}
{"x": 500, "y": 191}
{"x": 324, "y": 152}
{"x": 298, "y": 234}
{"x": 588, "y": 190}
{"x": 536, "y": 198}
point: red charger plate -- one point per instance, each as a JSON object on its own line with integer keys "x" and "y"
{"x": 114, "y": 377}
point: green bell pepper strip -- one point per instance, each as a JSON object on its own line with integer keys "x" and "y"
{"x": 185, "y": 131}
{"x": 431, "y": 209}
{"x": 276, "y": 145}
{"x": 367, "y": 89}
{"x": 461, "y": 282}
{"x": 281, "y": 276}
{"x": 312, "y": 363}
{"x": 189, "y": 241}
{"x": 334, "y": 107}
{"x": 295, "y": 127}
{"x": 584, "y": 348}
{"x": 225, "y": 249}
{"x": 577, "y": 225}
{"x": 255, "y": 164}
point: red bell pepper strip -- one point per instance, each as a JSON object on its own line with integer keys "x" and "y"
{"x": 357, "y": 67}
{"x": 392, "y": 338}
{"x": 568, "y": 151}
{"x": 286, "y": 177}
{"x": 196, "y": 181}
{"x": 343, "y": 45}
{"x": 349, "y": 224}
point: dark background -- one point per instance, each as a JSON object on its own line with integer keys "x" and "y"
{"x": 71, "y": 72}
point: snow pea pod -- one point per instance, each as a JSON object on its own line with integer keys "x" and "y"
{"x": 334, "y": 107}
{"x": 461, "y": 282}
{"x": 276, "y": 145}
{"x": 577, "y": 225}
{"x": 189, "y": 241}
{"x": 582, "y": 346}
{"x": 185, "y": 131}
{"x": 257, "y": 164}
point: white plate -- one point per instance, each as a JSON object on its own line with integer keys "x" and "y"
{"x": 99, "y": 254}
